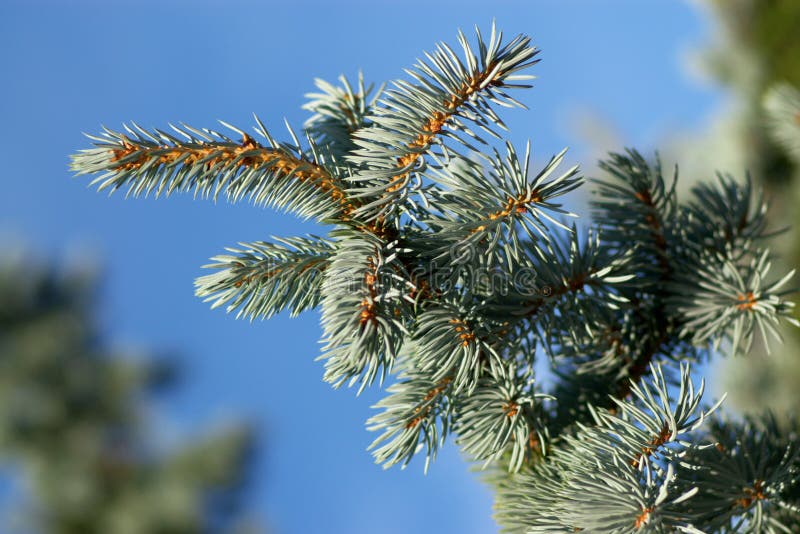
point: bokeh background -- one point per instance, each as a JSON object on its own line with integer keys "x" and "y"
{"x": 657, "y": 74}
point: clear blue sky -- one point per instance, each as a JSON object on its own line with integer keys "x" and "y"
{"x": 68, "y": 67}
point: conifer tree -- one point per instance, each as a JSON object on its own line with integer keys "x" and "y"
{"x": 451, "y": 269}
{"x": 71, "y": 419}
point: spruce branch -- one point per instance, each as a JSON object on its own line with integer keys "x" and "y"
{"x": 453, "y": 342}
{"x": 722, "y": 301}
{"x": 365, "y": 307}
{"x": 726, "y": 217}
{"x": 637, "y": 211}
{"x": 338, "y": 112}
{"x": 497, "y": 209}
{"x": 747, "y": 477}
{"x": 263, "y": 278}
{"x": 416, "y": 414}
{"x": 413, "y": 117}
{"x": 617, "y": 474}
{"x": 571, "y": 290}
{"x": 635, "y": 205}
{"x": 209, "y": 163}
{"x": 450, "y": 269}
{"x": 501, "y": 413}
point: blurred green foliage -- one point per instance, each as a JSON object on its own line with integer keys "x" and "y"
{"x": 769, "y": 30}
{"x": 72, "y": 423}
{"x": 759, "y": 49}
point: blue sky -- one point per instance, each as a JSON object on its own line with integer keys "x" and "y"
{"x": 68, "y": 67}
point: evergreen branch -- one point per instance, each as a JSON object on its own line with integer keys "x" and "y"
{"x": 263, "y": 279}
{"x": 338, "y": 113}
{"x": 617, "y": 474}
{"x": 748, "y": 479}
{"x": 578, "y": 265}
{"x": 365, "y": 310}
{"x": 209, "y": 163}
{"x": 726, "y": 217}
{"x": 652, "y": 344}
{"x": 651, "y": 422}
{"x": 606, "y": 360}
{"x": 500, "y": 414}
{"x": 620, "y": 502}
{"x": 538, "y": 483}
{"x": 634, "y": 208}
{"x": 636, "y": 211}
{"x": 452, "y": 259}
{"x": 416, "y": 409}
{"x": 453, "y": 341}
{"x": 489, "y": 212}
{"x": 720, "y": 300}
{"x": 414, "y": 116}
